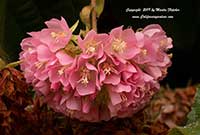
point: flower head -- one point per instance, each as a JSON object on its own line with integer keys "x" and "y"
{"x": 99, "y": 76}
{"x": 92, "y": 44}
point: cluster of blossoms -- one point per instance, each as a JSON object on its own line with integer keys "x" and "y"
{"x": 97, "y": 77}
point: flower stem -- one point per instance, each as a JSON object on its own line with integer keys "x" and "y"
{"x": 94, "y": 15}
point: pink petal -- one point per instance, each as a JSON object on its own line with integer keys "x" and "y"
{"x": 154, "y": 71}
{"x": 90, "y": 67}
{"x": 73, "y": 104}
{"x": 43, "y": 53}
{"x": 115, "y": 97}
{"x": 43, "y": 87}
{"x": 64, "y": 58}
{"x": 102, "y": 77}
{"x": 86, "y": 105}
{"x": 58, "y": 44}
{"x": 140, "y": 39}
{"x": 127, "y": 67}
{"x": 57, "y": 97}
{"x": 126, "y": 75}
{"x": 57, "y": 24}
{"x": 55, "y": 86}
{"x": 86, "y": 89}
{"x": 74, "y": 77}
{"x": 44, "y": 36}
{"x": 54, "y": 75}
{"x": 116, "y": 32}
{"x": 128, "y": 35}
{"x": 41, "y": 74}
{"x": 64, "y": 80}
{"x": 122, "y": 88}
{"x": 150, "y": 30}
{"x": 65, "y": 97}
{"x": 112, "y": 79}
{"x": 131, "y": 51}
{"x": 29, "y": 43}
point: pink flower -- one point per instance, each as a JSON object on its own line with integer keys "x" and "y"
{"x": 84, "y": 78}
{"x": 61, "y": 70}
{"x": 153, "y": 57}
{"x": 122, "y": 44}
{"x": 158, "y": 35}
{"x": 61, "y": 73}
{"x": 56, "y": 36}
{"x": 108, "y": 71}
{"x": 92, "y": 44}
{"x": 37, "y": 58}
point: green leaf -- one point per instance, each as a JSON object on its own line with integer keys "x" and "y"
{"x": 73, "y": 28}
{"x": 194, "y": 115}
{"x": 174, "y": 131}
{"x": 99, "y": 7}
{"x": 190, "y": 129}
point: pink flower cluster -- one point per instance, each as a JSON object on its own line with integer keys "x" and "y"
{"x": 113, "y": 75}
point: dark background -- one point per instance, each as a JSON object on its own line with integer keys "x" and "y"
{"x": 21, "y": 16}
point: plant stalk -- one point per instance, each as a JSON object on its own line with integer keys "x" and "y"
{"x": 94, "y": 15}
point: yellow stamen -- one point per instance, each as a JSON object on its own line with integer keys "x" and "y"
{"x": 123, "y": 97}
{"x": 163, "y": 42}
{"x": 119, "y": 46}
{"x": 90, "y": 49}
{"x": 30, "y": 49}
{"x": 170, "y": 55}
{"x": 85, "y": 76}
{"x": 53, "y": 34}
{"x": 39, "y": 64}
{"x": 61, "y": 71}
{"x": 107, "y": 68}
{"x": 144, "y": 51}
{"x": 58, "y": 34}
{"x": 91, "y": 46}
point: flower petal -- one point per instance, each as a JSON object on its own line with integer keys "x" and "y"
{"x": 86, "y": 89}
{"x": 112, "y": 79}
{"x": 64, "y": 58}
{"x": 73, "y": 104}
{"x": 115, "y": 98}
{"x": 43, "y": 53}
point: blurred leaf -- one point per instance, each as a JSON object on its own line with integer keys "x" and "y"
{"x": 99, "y": 7}
{"x": 194, "y": 115}
{"x": 85, "y": 16}
{"x": 13, "y": 64}
{"x": 193, "y": 123}
{"x": 175, "y": 131}
{"x": 190, "y": 129}
{"x": 2, "y": 64}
